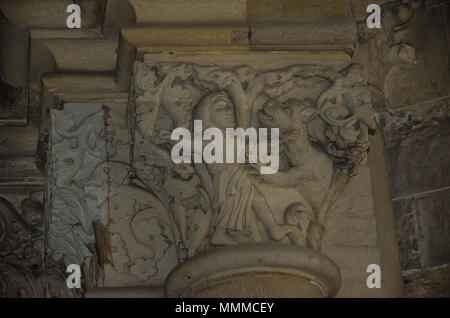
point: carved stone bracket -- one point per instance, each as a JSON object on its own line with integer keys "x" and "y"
{"x": 161, "y": 213}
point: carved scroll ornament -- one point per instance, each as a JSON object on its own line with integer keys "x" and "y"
{"x": 322, "y": 116}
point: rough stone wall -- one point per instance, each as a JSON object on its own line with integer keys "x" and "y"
{"x": 419, "y": 166}
{"x": 416, "y": 129}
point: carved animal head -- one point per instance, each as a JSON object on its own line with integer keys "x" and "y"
{"x": 289, "y": 117}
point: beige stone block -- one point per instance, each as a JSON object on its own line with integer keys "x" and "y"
{"x": 190, "y": 11}
{"x": 49, "y": 13}
{"x": 353, "y": 262}
{"x": 81, "y": 55}
{"x": 407, "y": 236}
{"x": 314, "y": 25}
{"x": 421, "y": 161}
{"x": 171, "y": 37}
{"x": 430, "y": 283}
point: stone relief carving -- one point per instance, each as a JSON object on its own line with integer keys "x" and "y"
{"x": 136, "y": 224}
{"x": 22, "y": 270}
{"x": 323, "y": 117}
{"x": 83, "y": 137}
{"x": 21, "y": 248}
{"x": 384, "y": 49}
{"x": 133, "y": 223}
{"x": 403, "y": 64}
{"x": 102, "y": 216}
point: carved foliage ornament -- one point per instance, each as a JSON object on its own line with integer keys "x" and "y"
{"x": 83, "y": 139}
{"x": 322, "y": 115}
{"x": 145, "y": 218}
{"x": 22, "y": 270}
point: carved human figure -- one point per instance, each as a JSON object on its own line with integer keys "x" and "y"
{"x": 310, "y": 169}
{"x": 236, "y": 198}
{"x": 308, "y": 230}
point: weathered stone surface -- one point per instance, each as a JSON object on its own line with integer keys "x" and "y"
{"x": 16, "y": 141}
{"x": 417, "y": 139}
{"x": 353, "y": 262}
{"x": 125, "y": 177}
{"x": 434, "y": 225}
{"x": 383, "y": 49}
{"x": 17, "y": 157}
{"x": 403, "y": 64}
{"x": 243, "y": 25}
{"x": 22, "y": 270}
{"x": 430, "y": 283}
{"x": 13, "y": 73}
{"x": 20, "y": 170}
{"x": 399, "y": 124}
{"x": 96, "y": 55}
{"x": 384, "y": 212}
{"x": 13, "y": 105}
{"x": 423, "y": 229}
{"x": 421, "y": 161}
{"x": 351, "y": 222}
{"x": 187, "y": 12}
{"x": 281, "y": 24}
{"x": 406, "y": 221}
{"x": 290, "y": 271}
{"x": 428, "y": 78}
